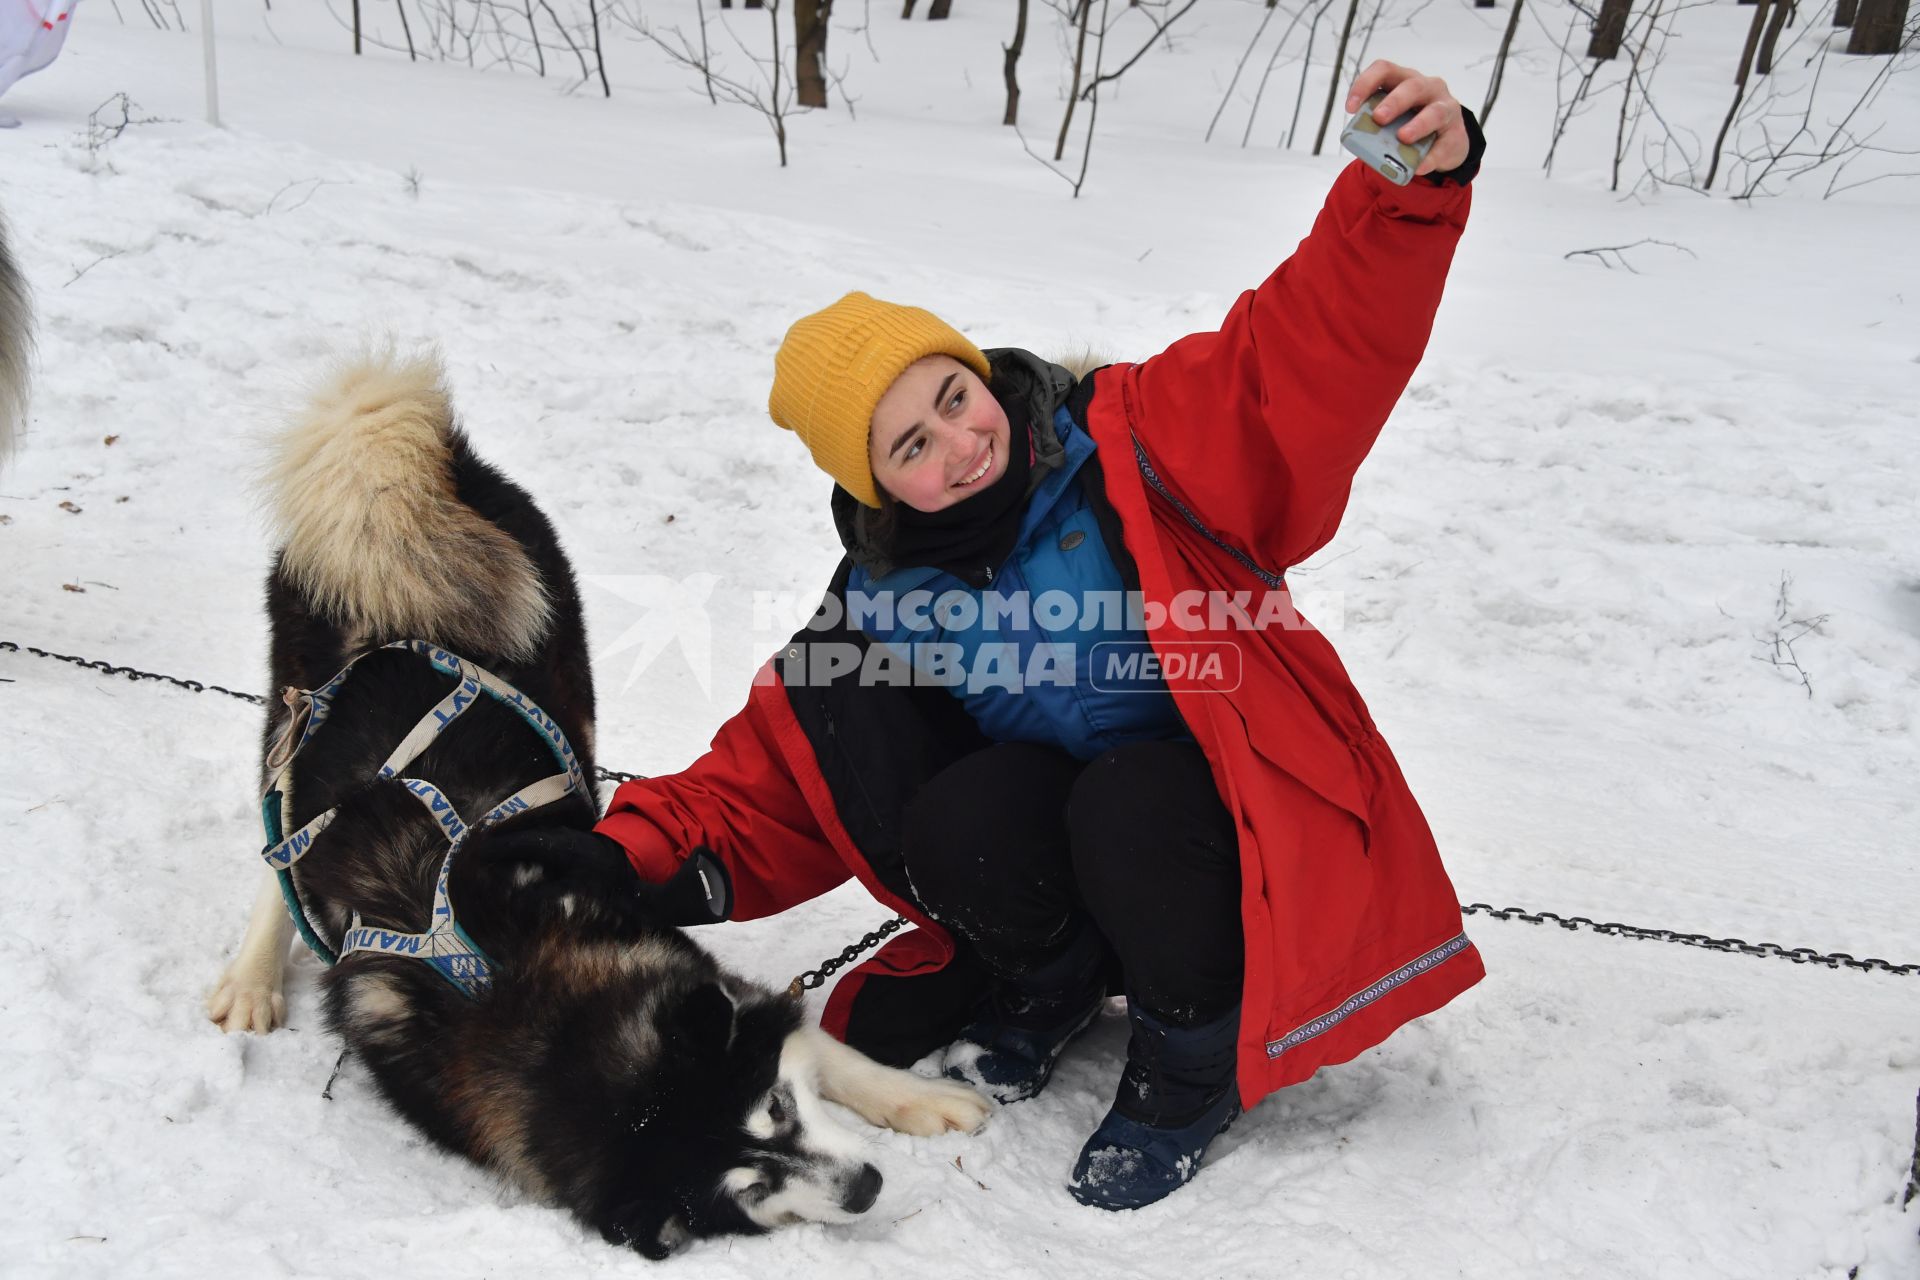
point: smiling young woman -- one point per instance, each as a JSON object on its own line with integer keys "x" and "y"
{"x": 938, "y": 435}
{"x": 1237, "y": 854}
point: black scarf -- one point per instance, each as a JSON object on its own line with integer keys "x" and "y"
{"x": 972, "y": 538}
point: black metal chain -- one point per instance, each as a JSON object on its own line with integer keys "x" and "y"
{"x": 134, "y": 673}
{"x": 1613, "y": 929}
{"x": 813, "y": 978}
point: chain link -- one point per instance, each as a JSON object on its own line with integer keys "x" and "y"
{"x": 1614, "y": 929}
{"x": 132, "y": 673}
{"x": 195, "y": 686}
{"x": 813, "y": 978}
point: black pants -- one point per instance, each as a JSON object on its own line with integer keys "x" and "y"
{"x": 1017, "y": 847}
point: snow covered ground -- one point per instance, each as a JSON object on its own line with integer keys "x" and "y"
{"x": 1555, "y": 585}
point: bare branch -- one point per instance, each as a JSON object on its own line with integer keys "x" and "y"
{"x": 1619, "y": 252}
{"x": 1158, "y": 30}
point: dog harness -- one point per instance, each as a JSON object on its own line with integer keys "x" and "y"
{"x": 444, "y": 945}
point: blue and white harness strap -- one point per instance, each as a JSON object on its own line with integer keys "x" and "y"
{"x": 444, "y": 945}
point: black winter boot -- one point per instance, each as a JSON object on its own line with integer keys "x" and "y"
{"x": 1178, "y": 1092}
{"x": 1009, "y": 1051}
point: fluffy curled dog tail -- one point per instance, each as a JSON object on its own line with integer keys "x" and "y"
{"x": 363, "y": 494}
{"x": 16, "y": 347}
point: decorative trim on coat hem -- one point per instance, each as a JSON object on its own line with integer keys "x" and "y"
{"x": 1355, "y": 1003}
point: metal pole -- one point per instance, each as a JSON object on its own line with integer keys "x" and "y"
{"x": 206, "y": 46}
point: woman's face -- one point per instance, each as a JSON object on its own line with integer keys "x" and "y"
{"x": 938, "y": 435}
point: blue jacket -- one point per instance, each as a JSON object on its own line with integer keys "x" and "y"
{"x": 1029, "y": 666}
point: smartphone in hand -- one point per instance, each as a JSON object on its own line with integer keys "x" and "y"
{"x": 1380, "y": 147}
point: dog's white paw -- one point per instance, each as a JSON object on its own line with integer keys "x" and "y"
{"x": 927, "y": 1108}
{"x": 243, "y": 1002}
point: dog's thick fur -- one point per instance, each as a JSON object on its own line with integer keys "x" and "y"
{"x": 613, "y": 1068}
{"x": 16, "y": 346}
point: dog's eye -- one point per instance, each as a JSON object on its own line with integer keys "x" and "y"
{"x": 776, "y": 1111}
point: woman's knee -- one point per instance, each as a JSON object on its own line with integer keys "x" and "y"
{"x": 991, "y": 813}
{"x": 1149, "y": 813}
{"x": 1143, "y": 789}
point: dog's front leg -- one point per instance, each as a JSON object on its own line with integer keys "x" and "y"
{"x": 899, "y": 1100}
{"x": 249, "y": 995}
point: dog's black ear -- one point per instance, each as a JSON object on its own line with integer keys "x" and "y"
{"x": 652, "y": 1226}
{"x": 761, "y": 1026}
{"x": 705, "y": 1018}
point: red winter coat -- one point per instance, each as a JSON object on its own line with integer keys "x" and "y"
{"x": 1226, "y": 458}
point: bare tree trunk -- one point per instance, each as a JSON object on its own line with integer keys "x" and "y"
{"x": 1339, "y": 69}
{"x": 1500, "y": 61}
{"x": 1878, "y": 26}
{"x": 1767, "y": 42}
{"x": 600, "y": 58}
{"x": 1013, "y": 60}
{"x": 401, "y": 5}
{"x": 1843, "y": 13}
{"x": 1266, "y": 74}
{"x": 908, "y": 11}
{"x": 1627, "y": 118}
{"x": 1608, "y": 28}
{"x": 1093, "y": 107}
{"x": 706, "y": 56}
{"x": 938, "y": 10}
{"x": 774, "y": 112}
{"x": 1306, "y": 64}
{"x": 1626, "y": 114}
{"x": 567, "y": 36}
{"x": 534, "y": 31}
{"x": 810, "y": 50}
{"x": 1486, "y": 4}
{"x": 1739, "y": 87}
{"x": 356, "y": 28}
{"x": 1240, "y": 66}
{"x": 1073, "y": 94}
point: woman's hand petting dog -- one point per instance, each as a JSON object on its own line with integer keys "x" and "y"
{"x": 543, "y": 874}
{"x": 584, "y": 878}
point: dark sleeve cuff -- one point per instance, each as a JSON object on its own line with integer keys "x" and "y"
{"x": 1463, "y": 173}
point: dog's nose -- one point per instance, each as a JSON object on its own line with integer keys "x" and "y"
{"x": 863, "y": 1192}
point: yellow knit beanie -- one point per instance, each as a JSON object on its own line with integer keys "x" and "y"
{"x": 835, "y": 365}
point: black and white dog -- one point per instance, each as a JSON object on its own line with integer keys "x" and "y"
{"x": 601, "y": 1061}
